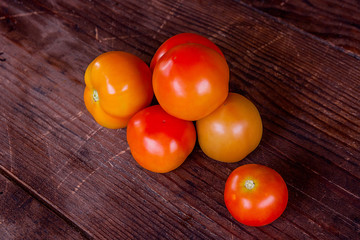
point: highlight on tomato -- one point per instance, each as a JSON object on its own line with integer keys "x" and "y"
{"x": 118, "y": 84}
{"x": 232, "y": 131}
{"x": 190, "y": 81}
{"x": 181, "y": 39}
{"x": 255, "y": 195}
{"x": 158, "y": 141}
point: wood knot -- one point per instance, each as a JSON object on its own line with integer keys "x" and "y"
{"x": 2, "y": 59}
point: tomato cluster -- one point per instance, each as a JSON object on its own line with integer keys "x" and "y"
{"x": 189, "y": 77}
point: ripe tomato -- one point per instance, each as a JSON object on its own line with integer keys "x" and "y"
{"x": 118, "y": 84}
{"x": 255, "y": 195}
{"x": 190, "y": 81}
{"x": 158, "y": 141}
{"x": 180, "y": 39}
{"x": 232, "y": 131}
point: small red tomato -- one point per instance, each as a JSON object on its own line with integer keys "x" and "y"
{"x": 190, "y": 81}
{"x": 158, "y": 141}
{"x": 255, "y": 195}
{"x": 180, "y": 39}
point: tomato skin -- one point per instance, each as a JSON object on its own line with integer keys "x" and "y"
{"x": 262, "y": 204}
{"x": 158, "y": 141}
{"x": 118, "y": 84}
{"x": 181, "y": 39}
{"x": 232, "y": 131}
{"x": 190, "y": 81}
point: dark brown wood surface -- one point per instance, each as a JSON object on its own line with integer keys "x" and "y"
{"x": 23, "y": 217}
{"x": 81, "y": 179}
{"x": 337, "y": 22}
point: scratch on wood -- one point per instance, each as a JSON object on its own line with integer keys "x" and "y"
{"x": 110, "y": 164}
{"x": 87, "y": 177}
{"x": 63, "y": 166}
{"x": 96, "y": 34}
{"x": 170, "y": 15}
{"x": 268, "y": 43}
{"x": 45, "y": 134}
{"x": 63, "y": 180}
{"x": 36, "y": 13}
{"x": 118, "y": 154}
{"x": 83, "y": 181}
{"x": 109, "y": 38}
{"x": 90, "y": 135}
{"x": 113, "y": 157}
{"x": 21, "y": 15}
{"x": 293, "y": 45}
{"x": 99, "y": 39}
{"x": 73, "y": 118}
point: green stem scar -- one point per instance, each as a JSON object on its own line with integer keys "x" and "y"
{"x": 95, "y": 96}
{"x": 249, "y": 184}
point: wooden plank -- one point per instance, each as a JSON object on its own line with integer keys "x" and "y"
{"x": 337, "y": 22}
{"x": 306, "y": 90}
{"x": 23, "y": 217}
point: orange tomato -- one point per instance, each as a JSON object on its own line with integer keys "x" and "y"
{"x": 181, "y": 39}
{"x": 232, "y": 131}
{"x": 190, "y": 81}
{"x": 158, "y": 141}
{"x": 118, "y": 84}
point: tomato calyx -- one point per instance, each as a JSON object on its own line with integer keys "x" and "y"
{"x": 95, "y": 96}
{"x": 249, "y": 184}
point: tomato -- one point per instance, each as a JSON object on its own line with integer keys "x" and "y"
{"x": 158, "y": 141}
{"x": 118, "y": 84}
{"x": 190, "y": 81}
{"x": 232, "y": 131}
{"x": 180, "y": 39}
{"x": 255, "y": 195}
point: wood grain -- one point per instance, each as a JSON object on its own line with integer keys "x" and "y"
{"x": 307, "y": 92}
{"x": 337, "y": 22}
{"x": 23, "y": 217}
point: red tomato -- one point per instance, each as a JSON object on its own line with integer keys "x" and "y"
{"x": 255, "y": 195}
{"x": 190, "y": 81}
{"x": 180, "y": 39}
{"x": 232, "y": 131}
{"x": 158, "y": 141}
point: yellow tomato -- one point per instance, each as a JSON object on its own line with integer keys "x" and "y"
{"x": 232, "y": 131}
{"x": 118, "y": 85}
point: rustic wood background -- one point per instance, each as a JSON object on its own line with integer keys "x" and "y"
{"x": 62, "y": 176}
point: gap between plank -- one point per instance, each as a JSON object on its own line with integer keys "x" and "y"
{"x": 45, "y": 202}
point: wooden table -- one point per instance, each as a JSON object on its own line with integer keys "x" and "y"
{"x": 65, "y": 177}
